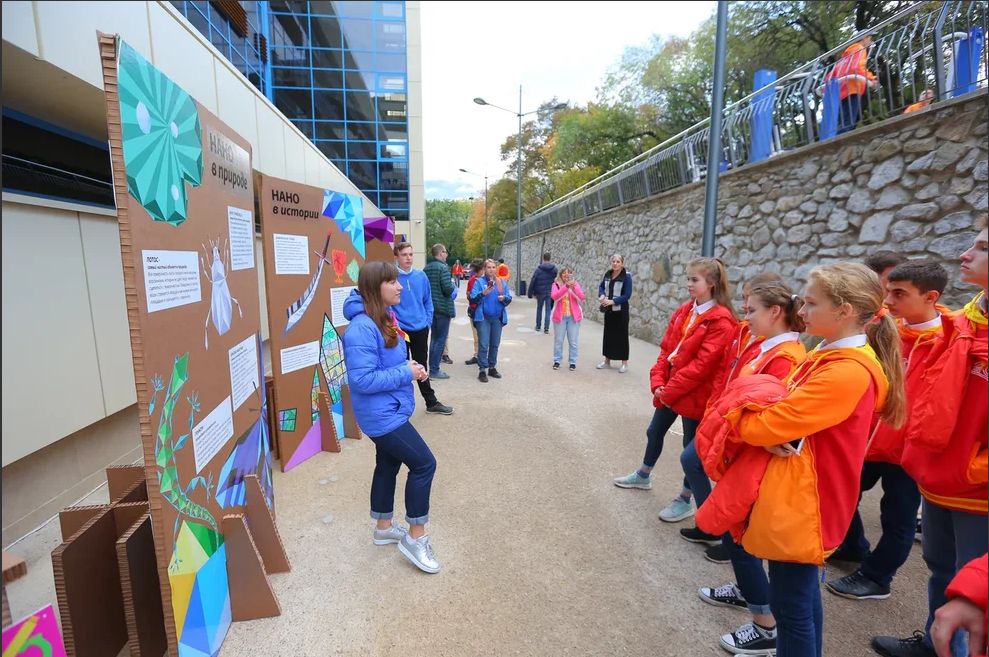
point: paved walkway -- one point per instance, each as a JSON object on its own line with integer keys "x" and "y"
{"x": 541, "y": 554}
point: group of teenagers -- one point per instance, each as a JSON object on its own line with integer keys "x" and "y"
{"x": 895, "y": 391}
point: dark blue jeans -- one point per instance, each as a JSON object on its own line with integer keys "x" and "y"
{"x": 697, "y": 479}
{"x": 795, "y": 598}
{"x": 898, "y": 515}
{"x": 403, "y": 445}
{"x": 662, "y": 419}
{"x": 951, "y": 540}
{"x": 850, "y": 112}
{"x": 750, "y": 576}
{"x": 437, "y": 341}
{"x": 488, "y": 339}
{"x": 543, "y": 301}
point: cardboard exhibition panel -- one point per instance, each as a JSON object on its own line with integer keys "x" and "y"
{"x": 314, "y": 245}
{"x": 185, "y": 207}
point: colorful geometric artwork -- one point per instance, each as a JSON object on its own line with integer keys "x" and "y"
{"x": 301, "y": 305}
{"x": 36, "y": 635}
{"x": 348, "y": 213}
{"x": 353, "y": 271}
{"x": 197, "y": 574}
{"x": 331, "y": 360}
{"x": 315, "y": 396}
{"x": 286, "y": 419}
{"x": 380, "y": 228}
{"x": 162, "y": 138}
{"x": 339, "y": 264}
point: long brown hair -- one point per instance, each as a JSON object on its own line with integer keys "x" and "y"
{"x": 369, "y": 281}
{"x": 717, "y": 276}
{"x": 778, "y": 294}
{"x": 859, "y": 287}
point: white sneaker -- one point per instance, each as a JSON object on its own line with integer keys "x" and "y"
{"x": 603, "y": 365}
{"x": 623, "y": 369}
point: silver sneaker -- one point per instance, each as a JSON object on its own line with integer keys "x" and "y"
{"x": 391, "y": 535}
{"x": 420, "y": 552}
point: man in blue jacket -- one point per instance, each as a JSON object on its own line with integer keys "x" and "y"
{"x": 415, "y": 315}
{"x": 540, "y": 287}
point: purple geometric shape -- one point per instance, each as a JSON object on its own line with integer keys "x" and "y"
{"x": 311, "y": 445}
{"x": 379, "y": 228}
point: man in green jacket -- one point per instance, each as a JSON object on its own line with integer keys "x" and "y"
{"x": 441, "y": 287}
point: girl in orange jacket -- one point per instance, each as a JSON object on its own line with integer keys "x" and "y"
{"x": 697, "y": 335}
{"x": 946, "y": 443}
{"x": 773, "y": 321}
{"x": 818, "y": 433}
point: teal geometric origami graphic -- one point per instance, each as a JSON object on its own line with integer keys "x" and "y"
{"x": 331, "y": 360}
{"x": 200, "y": 596}
{"x": 348, "y": 213}
{"x": 286, "y": 419}
{"x": 315, "y": 395}
{"x": 162, "y": 138}
{"x": 353, "y": 270}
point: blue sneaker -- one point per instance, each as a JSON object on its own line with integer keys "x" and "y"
{"x": 677, "y": 510}
{"x": 439, "y": 374}
{"x": 634, "y": 480}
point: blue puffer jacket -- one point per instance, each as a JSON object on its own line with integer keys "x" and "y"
{"x": 380, "y": 377}
{"x": 489, "y": 306}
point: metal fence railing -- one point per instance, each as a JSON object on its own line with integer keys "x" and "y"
{"x": 926, "y": 53}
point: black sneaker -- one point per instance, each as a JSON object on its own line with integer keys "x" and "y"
{"x": 439, "y": 408}
{"x": 572, "y": 367}
{"x": 845, "y": 555}
{"x": 472, "y": 361}
{"x": 750, "y": 639}
{"x": 695, "y": 535}
{"x": 858, "y": 587}
{"x": 482, "y": 377}
{"x": 446, "y": 359}
{"x": 493, "y": 373}
{"x": 556, "y": 366}
{"x": 718, "y": 554}
{"x": 891, "y": 646}
{"x": 723, "y": 596}
{"x": 918, "y": 535}
{"x": 546, "y": 331}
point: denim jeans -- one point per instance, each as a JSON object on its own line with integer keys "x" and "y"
{"x": 566, "y": 328}
{"x": 700, "y": 485}
{"x": 662, "y": 419}
{"x": 850, "y": 112}
{"x": 488, "y": 339}
{"x": 438, "y": 335}
{"x": 795, "y": 598}
{"x": 750, "y": 575}
{"x": 951, "y": 540}
{"x": 898, "y": 516}
{"x": 543, "y": 301}
{"x": 403, "y": 445}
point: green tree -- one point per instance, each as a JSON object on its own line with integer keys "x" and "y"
{"x": 446, "y": 220}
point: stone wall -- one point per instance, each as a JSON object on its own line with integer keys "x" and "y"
{"x": 913, "y": 184}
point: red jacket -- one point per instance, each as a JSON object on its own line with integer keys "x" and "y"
{"x": 886, "y": 443}
{"x": 699, "y": 347}
{"x": 970, "y": 583}
{"x": 852, "y": 71}
{"x": 946, "y": 439}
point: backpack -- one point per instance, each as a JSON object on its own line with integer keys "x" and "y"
{"x": 471, "y": 304}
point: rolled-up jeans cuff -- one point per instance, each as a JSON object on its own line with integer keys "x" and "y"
{"x": 382, "y": 515}
{"x": 760, "y": 609}
{"x": 421, "y": 520}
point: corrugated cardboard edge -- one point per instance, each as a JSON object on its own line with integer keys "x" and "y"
{"x": 142, "y": 638}
{"x": 264, "y": 530}
{"x": 251, "y": 595}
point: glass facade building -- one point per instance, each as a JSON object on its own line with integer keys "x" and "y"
{"x": 338, "y": 70}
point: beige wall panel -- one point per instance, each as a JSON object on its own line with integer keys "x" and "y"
{"x": 236, "y": 99}
{"x": 18, "y": 25}
{"x": 51, "y": 382}
{"x": 180, "y": 55}
{"x": 295, "y": 156}
{"x": 269, "y": 158}
{"x": 68, "y": 33}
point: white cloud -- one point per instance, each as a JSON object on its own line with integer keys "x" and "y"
{"x": 488, "y": 49}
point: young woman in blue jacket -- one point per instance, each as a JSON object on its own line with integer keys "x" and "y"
{"x": 381, "y": 379}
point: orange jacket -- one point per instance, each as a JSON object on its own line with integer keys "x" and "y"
{"x": 886, "y": 443}
{"x": 946, "y": 439}
{"x": 688, "y": 354}
{"x": 970, "y": 583}
{"x": 502, "y": 272}
{"x": 853, "y": 62}
{"x": 805, "y": 502}
{"x": 917, "y": 106}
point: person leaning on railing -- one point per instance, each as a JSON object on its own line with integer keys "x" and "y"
{"x": 854, "y": 80}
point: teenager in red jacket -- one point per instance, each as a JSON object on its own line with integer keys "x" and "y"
{"x": 946, "y": 449}
{"x": 966, "y": 611}
{"x": 912, "y": 293}
{"x": 774, "y": 323}
{"x": 681, "y": 382}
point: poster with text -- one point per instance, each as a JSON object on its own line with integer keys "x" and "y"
{"x": 314, "y": 246}
{"x": 185, "y": 205}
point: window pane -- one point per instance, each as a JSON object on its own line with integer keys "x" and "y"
{"x": 361, "y": 132}
{"x": 356, "y": 80}
{"x": 305, "y": 127}
{"x": 390, "y": 36}
{"x": 394, "y": 175}
{"x": 391, "y": 82}
{"x": 327, "y": 79}
{"x": 294, "y": 103}
{"x": 358, "y": 34}
{"x": 393, "y": 131}
{"x": 290, "y": 57}
{"x": 358, "y": 8}
{"x": 390, "y": 61}
{"x": 361, "y": 150}
{"x": 329, "y": 105}
{"x": 394, "y": 151}
{"x": 330, "y": 130}
{"x": 322, "y": 7}
{"x": 327, "y": 59}
{"x": 399, "y": 215}
{"x": 290, "y": 77}
{"x": 198, "y": 19}
{"x": 360, "y": 106}
{"x": 298, "y": 7}
{"x": 391, "y": 9}
{"x": 332, "y": 149}
{"x": 392, "y": 107}
{"x": 363, "y": 174}
{"x": 394, "y": 200}
{"x": 326, "y": 33}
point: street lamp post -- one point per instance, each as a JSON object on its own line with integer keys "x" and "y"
{"x": 485, "y": 176}
{"x": 518, "y": 179}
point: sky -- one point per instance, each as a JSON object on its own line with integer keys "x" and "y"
{"x": 487, "y": 49}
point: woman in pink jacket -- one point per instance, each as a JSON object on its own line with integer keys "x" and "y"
{"x": 567, "y": 313}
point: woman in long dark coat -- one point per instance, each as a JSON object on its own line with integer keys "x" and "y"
{"x": 613, "y": 293}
